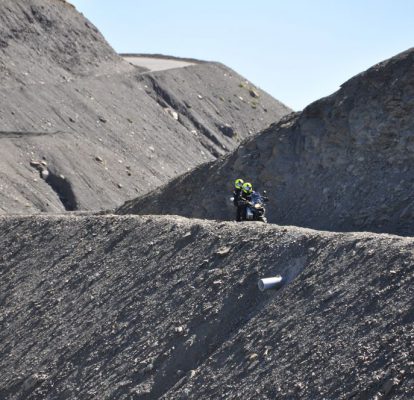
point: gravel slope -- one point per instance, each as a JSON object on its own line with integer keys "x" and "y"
{"x": 151, "y": 307}
{"x": 105, "y": 307}
{"x": 48, "y": 41}
{"x": 344, "y": 164}
{"x": 105, "y": 130}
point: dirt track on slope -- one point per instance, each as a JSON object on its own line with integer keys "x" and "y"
{"x": 157, "y": 64}
{"x": 127, "y": 131}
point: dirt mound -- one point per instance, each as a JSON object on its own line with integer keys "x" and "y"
{"x": 345, "y": 163}
{"x": 103, "y": 129}
{"x": 48, "y": 41}
{"x": 147, "y": 307}
{"x": 144, "y": 307}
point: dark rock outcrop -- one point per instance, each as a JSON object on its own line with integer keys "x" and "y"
{"x": 345, "y": 163}
{"x": 68, "y": 98}
{"x": 113, "y": 307}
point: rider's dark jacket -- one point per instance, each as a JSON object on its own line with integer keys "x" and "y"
{"x": 244, "y": 197}
{"x": 236, "y": 196}
{"x": 241, "y": 203}
{"x": 236, "y": 200}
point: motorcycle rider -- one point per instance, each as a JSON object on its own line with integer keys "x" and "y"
{"x": 238, "y": 184}
{"x": 244, "y": 200}
{"x": 247, "y": 198}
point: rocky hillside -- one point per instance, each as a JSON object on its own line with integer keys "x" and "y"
{"x": 113, "y": 307}
{"x": 48, "y": 41}
{"x": 345, "y": 163}
{"x": 81, "y": 129}
{"x": 165, "y": 307}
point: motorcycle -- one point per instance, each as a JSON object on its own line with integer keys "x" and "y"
{"x": 255, "y": 209}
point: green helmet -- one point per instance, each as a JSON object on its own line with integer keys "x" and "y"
{"x": 238, "y": 183}
{"x": 247, "y": 188}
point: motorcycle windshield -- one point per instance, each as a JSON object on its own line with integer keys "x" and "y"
{"x": 256, "y": 198}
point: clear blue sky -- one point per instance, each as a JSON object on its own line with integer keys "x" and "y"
{"x": 296, "y": 50}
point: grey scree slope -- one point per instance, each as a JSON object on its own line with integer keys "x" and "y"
{"x": 107, "y": 130}
{"x": 345, "y": 163}
{"x": 146, "y": 307}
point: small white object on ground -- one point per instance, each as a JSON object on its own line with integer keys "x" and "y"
{"x": 269, "y": 283}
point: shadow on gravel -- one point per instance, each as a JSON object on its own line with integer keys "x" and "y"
{"x": 63, "y": 189}
{"x": 242, "y": 302}
{"x": 26, "y": 134}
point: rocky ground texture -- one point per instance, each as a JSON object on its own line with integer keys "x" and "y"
{"x": 95, "y": 305}
{"x": 105, "y": 130}
{"x": 344, "y": 164}
{"x": 146, "y": 307}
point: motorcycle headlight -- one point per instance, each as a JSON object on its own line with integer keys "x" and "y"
{"x": 257, "y": 206}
